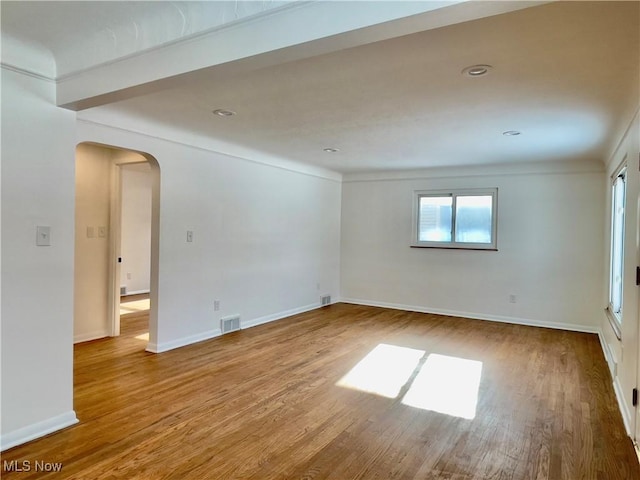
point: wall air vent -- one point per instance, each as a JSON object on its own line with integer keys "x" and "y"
{"x": 230, "y": 324}
{"x": 325, "y": 300}
{"x": 123, "y": 290}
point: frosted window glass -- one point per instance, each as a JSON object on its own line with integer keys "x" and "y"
{"x": 473, "y": 219}
{"x": 435, "y": 219}
{"x": 617, "y": 244}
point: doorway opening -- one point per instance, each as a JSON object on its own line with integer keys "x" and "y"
{"x": 135, "y": 248}
{"x": 116, "y": 244}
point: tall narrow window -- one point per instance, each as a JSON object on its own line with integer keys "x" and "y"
{"x": 617, "y": 244}
{"x": 455, "y": 219}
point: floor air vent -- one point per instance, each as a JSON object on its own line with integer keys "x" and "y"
{"x": 325, "y": 300}
{"x": 230, "y": 324}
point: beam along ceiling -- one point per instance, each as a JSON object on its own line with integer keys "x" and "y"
{"x": 565, "y": 75}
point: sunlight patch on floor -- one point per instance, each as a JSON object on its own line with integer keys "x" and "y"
{"x": 143, "y": 336}
{"x": 443, "y": 384}
{"x": 383, "y": 371}
{"x": 134, "y": 306}
{"x": 446, "y": 385}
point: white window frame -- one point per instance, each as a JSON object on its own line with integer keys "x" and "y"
{"x": 454, "y": 193}
{"x": 614, "y": 308}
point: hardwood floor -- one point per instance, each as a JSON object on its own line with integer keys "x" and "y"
{"x": 263, "y": 404}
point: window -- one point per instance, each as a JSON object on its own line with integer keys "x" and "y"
{"x": 617, "y": 245}
{"x": 455, "y": 219}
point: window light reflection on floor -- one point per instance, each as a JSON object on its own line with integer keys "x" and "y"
{"x": 443, "y": 384}
{"x": 383, "y": 371}
{"x": 134, "y": 306}
{"x": 446, "y": 385}
{"x": 143, "y": 336}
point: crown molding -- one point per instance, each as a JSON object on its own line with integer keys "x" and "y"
{"x": 282, "y": 164}
{"x": 27, "y": 72}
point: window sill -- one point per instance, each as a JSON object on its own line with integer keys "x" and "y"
{"x": 452, "y": 247}
{"x": 615, "y": 326}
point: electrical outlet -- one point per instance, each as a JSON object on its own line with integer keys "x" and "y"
{"x": 216, "y": 305}
{"x": 102, "y": 232}
{"x": 189, "y": 236}
{"x": 512, "y": 298}
{"x": 128, "y": 276}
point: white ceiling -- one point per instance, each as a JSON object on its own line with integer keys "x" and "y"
{"x": 566, "y": 74}
{"x": 85, "y": 33}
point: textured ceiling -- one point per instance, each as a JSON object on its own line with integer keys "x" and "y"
{"x": 566, "y": 75}
{"x": 80, "y": 34}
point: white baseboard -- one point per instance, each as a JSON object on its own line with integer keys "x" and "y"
{"x": 279, "y": 316}
{"x": 135, "y": 292}
{"x": 617, "y": 388}
{"x": 191, "y": 339}
{"x": 37, "y": 430}
{"x": 182, "y": 342}
{"x": 624, "y": 408}
{"x": 86, "y": 337}
{"x": 476, "y": 316}
{"x": 608, "y": 355}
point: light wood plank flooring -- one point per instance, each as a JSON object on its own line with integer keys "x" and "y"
{"x": 263, "y": 404}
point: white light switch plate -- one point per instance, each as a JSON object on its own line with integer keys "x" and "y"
{"x": 43, "y": 236}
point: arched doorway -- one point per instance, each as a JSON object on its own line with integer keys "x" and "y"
{"x": 98, "y": 240}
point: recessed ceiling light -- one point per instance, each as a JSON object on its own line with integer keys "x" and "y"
{"x": 476, "y": 70}
{"x": 511, "y": 133}
{"x": 331, "y": 150}
{"x": 223, "y": 113}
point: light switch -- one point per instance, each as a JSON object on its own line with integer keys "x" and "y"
{"x": 90, "y": 232}
{"x": 102, "y": 232}
{"x": 43, "y": 236}
{"x": 189, "y": 236}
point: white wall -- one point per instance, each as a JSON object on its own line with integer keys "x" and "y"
{"x": 549, "y": 248}
{"x": 38, "y": 142}
{"x": 135, "y": 244}
{"x": 91, "y": 272}
{"x": 266, "y": 239}
{"x": 624, "y": 352}
{"x": 266, "y": 244}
